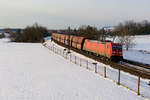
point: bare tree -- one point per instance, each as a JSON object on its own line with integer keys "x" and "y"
{"x": 125, "y": 33}
{"x": 88, "y": 32}
{"x": 127, "y": 41}
{"x": 34, "y": 33}
{"x": 2, "y": 35}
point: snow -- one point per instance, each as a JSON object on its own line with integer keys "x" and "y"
{"x": 32, "y": 72}
{"x": 142, "y": 42}
{"x": 47, "y": 38}
{"x": 7, "y": 35}
{"x": 137, "y": 56}
{"x": 141, "y": 51}
{"x": 127, "y": 80}
{"x": 4, "y": 40}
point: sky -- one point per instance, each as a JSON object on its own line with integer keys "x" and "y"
{"x": 60, "y": 14}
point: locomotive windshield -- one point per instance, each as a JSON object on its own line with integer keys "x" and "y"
{"x": 116, "y": 47}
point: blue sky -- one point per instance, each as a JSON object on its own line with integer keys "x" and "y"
{"x": 59, "y": 14}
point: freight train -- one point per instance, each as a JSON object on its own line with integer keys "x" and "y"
{"x": 108, "y": 50}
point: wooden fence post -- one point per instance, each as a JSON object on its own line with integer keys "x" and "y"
{"x": 95, "y": 67}
{"x": 70, "y": 58}
{"x": 80, "y": 62}
{"x": 62, "y": 53}
{"x": 75, "y": 59}
{"x": 57, "y": 51}
{"x": 87, "y": 64}
{"x": 149, "y": 83}
{"x": 118, "y": 76}
{"x": 138, "y": 88}
{"x": 104, "y": 72}
{"x": 53, "y": 48}
{"x": 66, "y": 55}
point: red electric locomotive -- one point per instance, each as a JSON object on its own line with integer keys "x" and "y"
{"x": 113, "y": 51}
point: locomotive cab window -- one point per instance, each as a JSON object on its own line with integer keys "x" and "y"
{"x": 116, "y": 47}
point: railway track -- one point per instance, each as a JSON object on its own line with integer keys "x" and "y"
{"x": 132, "y": 67}
{"x": 146, "y": 66}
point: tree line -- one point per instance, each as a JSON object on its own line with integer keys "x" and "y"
{"x": 124, "y": 32}
{"x": 126, "y": 28}
{"x": 34, "y": 34}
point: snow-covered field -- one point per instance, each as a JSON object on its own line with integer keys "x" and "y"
{"x": 141, "y": 51}
{"x": 127, "y": 80}
{"x": 32, "y": 72}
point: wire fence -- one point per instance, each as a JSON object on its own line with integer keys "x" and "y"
{"x": 134, "y": 83}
